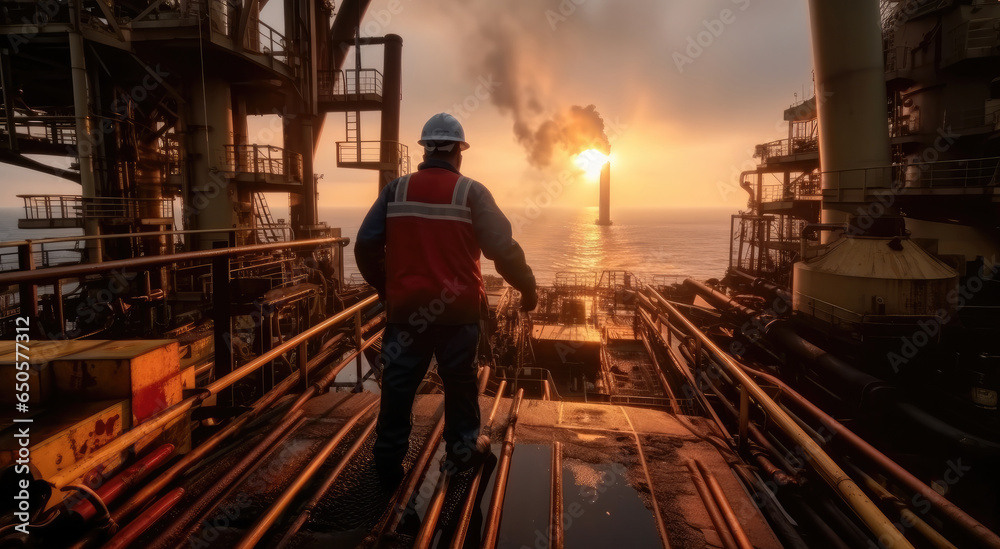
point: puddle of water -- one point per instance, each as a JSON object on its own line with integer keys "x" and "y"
{"x": 525, "y": 520}
{"x": 600, "y": 509}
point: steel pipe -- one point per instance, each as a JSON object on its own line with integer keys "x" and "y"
{"x": 906, "y": 515}
{"x": 202, "y": 450}
{"x": 718, "y": 299}
{"x": 402, "y": 497}
{"x": 53, "y": 240}
{"x": 221, "y": 487}
{"x": 776, "y": 515}
{"x": 674, "y": 406}
{"x": 135, "y": 263}
{"x": 465, "y": 516}
{"x": 431, "y": 517}
{"x": 426, "y": 533}
{"x": 127, "y": 439}
{"x": 758, "y": 436}
{"x": 556, "y": 539}
{"x": 714, "y": 513}
{"x": 834, "y": 476}
{"x": 955, "y": 514}
{"x": 332, "y": 477}
{"x": 491, "y": 525}
{"x": 732, "y": 521}
{"x": 120, "y": 483}
{"x": 264, "y": 523}
{"x": 688, "y": 375}
{"x": 129, "y": 533}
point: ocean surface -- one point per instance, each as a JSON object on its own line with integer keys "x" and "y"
{"x": 648, "y": 242}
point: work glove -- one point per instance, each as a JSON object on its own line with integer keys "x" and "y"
{"x": 529, "y": 300}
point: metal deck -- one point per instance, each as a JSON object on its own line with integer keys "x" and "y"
{"x": 608, "y": 458}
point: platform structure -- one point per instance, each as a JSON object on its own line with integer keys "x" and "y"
{"x": 616, "y": 472}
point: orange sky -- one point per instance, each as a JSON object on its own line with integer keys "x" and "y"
{"x": 686, "y": 88}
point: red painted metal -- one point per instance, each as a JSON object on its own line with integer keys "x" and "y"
{"x": 135, "y": 528}
{"x": 120, "y": 483}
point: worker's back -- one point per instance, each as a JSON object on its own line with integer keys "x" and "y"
{"x": 432, "y": 257}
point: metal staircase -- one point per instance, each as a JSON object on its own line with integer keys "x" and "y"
{"x": 267, "y": 230}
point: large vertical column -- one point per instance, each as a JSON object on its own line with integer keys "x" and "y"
{"x": 310, "y": 192}
{"x": 211, "y": 203}
{"x": 604, "y": 203}
{"x": 392, "y": 90}
{"x": 303, "y": 205}
{"x": 84, "y": 144}
{"x": 149, "y": 186}
{"x": 851, "y": 97}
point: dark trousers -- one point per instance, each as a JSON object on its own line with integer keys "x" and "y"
{"x": 407, "y": 352}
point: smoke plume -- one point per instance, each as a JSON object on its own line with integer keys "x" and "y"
{"x": 573, "y": 131}
{"x": 510, "y": 52}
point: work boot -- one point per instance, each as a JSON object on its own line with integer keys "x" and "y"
{"x": 389, "y": 476}
{"x": 465, "y": 460}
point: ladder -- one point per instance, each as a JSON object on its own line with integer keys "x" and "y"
{"x": 266, "y": 230}
{"x": 353, "y": 131}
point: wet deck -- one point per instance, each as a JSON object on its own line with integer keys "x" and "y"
{"x": 604, "y": 485}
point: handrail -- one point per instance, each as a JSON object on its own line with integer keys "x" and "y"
{"x": 828, "y": 469}
{"x": 341, "y": 85}
{"x": 55, "y": 239}
{"x": 132, "y": 264}
{"x": 127, "y": 439}
{"x": 264, "y": 159}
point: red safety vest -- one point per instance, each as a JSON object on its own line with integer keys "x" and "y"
{"x": 432, "y": 256}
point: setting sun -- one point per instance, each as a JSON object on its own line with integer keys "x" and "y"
{"x": 591, "y": 161}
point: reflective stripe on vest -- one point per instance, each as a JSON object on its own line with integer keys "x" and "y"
{"x": 456, "y": 211}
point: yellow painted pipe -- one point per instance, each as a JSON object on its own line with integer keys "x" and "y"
{"x": 846, "y": 488}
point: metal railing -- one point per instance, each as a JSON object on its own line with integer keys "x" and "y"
{"x": 835, "y": 315}
{"x": 58, "y": 130}
{"x": 273, "y": 232}
{"x": 343, "y": 84}
{"x": 60, "y": 206}
{"x": 975, "y": 172}
{"x": 576, "y": 280}
{"x": 862, "y": 179}
{"x": 819, "y": 460}
{"x": 162, "y": 418}
{"x": 103, "y": 207}
{"x": 52, "y": 206}
{"x": 269, "y": 41}
{"x": 373, "y": 152}
{"x": 265, "y": 160}
{"x": 224, "y": 16}
{"x": 786, "y": 147}
{"x": 969, "y": 118}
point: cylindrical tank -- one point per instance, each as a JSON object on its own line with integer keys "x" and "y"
{"x": 872, "y": 276}
{"x": 850, "y": 91}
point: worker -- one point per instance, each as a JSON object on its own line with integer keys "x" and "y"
{"x": 419, "y": 247}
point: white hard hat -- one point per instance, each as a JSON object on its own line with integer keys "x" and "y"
{"x": 442, "y": 127}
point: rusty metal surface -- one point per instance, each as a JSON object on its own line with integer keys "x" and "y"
{"x": 603, "y": 483}
{"x": 599, "y": 443}
{"x": 41, "y": 353}
{"x": 569, "y": 333}
{"x": 65, "y": 437}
